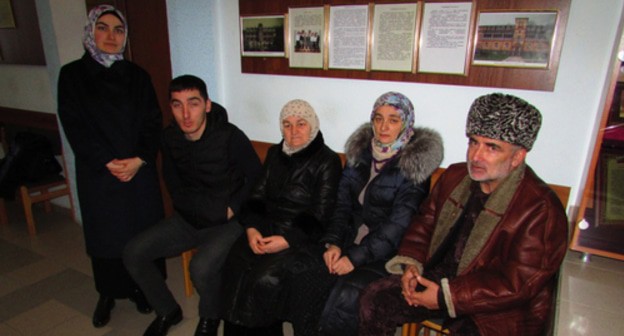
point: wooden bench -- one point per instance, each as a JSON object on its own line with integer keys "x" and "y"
{"x": 409, "y": 329}
{"x": 261, "y": 149}
{"x": 13, "y": 121}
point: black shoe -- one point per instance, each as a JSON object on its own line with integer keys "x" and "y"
{"x": 231, "y": 329}
{"x": 207, "y": 327}
{"x": 140, "y": 301}
{"x": 101, "y": 316}
{"x": 160, "y": 326}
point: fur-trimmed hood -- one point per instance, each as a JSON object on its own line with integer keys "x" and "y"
{"x": 417, "y": 160}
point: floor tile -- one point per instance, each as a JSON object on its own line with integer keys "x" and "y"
{"x": 6, "y": 330}
{"x": 13, "y": 256}
{"x": 49, "y": 277}
{"x": 79, "y": 325}
{"x": 591, "y": 286}
{"x": 582, "y": 320}
{"x": 42, "y": 318}
{"x": 29, "y": 297}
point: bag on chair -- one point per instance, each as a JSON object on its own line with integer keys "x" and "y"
{"x": 30, "y": 159}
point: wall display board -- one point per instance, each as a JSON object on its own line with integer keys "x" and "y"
{"x": 445, "y": 38}
{"x": 490, "y": 43}
{"x": 393, "y": 37}
{"x": 20, "y": 37}
{"x": 306, "y": 37}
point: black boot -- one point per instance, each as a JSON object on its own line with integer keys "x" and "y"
{"x": 274, "y": 329}
{"x": 207, "y": 327}
{"x": 160, "y": 326}
{"x": 101, "y": 316}
{"x": 140, "y": 301}
{"x": 231, "y": 329}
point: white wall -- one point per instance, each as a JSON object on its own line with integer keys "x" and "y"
{"x": 204, "y": 39}
{"x": 570, "y": 112}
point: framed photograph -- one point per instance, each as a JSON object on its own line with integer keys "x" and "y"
{"x": 262, "y": 36}
{"x": 610, "y": 188}
{"x": 306, "y": 31}
{"x": 616, "y": 113}
{"x": 393, "y": 37}
{"x": 7, "y": 20}
{"x": 515, "y": 39}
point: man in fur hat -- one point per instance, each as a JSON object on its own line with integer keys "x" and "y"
{"x": 484, "y": 250}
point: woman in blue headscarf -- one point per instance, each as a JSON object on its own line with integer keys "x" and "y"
{"x": 389, "y": 162}
{"x": 112, "y": 121}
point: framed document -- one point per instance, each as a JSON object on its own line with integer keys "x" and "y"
{"x": 6, "y": 14}
{"x": 515, "y": 39}
{"x": 610, "y": 188}
{"x": 444, "y": 38}
{"x": 262, "y": 36}
{"x": 306, "y": 31}
{"x": 393, "y": 38}
{"x": 348, "y": 37}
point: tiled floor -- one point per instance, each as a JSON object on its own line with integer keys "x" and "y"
{"x": 46, "y": 287}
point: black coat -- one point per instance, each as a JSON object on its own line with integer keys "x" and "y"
{"x": 296, "y": 195}
{"x": 294, "y": 198}
{"x": 390, "y": 200}
{"x": 111, "y": 113}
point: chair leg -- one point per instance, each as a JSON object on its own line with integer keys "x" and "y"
{"x": 27, "y": 204}
{"x": 47, "y": 205}
{"x": 410, "y": 329}
{"x": 405, "y": 330}
{"x": 4, "y": 219}
{"x": 188, "y": 284}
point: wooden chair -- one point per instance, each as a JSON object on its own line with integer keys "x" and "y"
{"x": 41, "y": 191}
{"x": 4, "y": 220}
{"x": 44, "y": 191}
{"x": 434, "y": 327}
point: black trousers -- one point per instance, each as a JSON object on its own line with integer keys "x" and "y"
{"x": 113, "y": 280}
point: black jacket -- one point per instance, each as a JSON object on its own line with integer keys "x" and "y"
{"x": 110, "y": 113}
{"x": 207, "y": 176}
{"x": 390, "y": 200}
{"x": 295, "y": 199}
{"x": 296, "y": 194}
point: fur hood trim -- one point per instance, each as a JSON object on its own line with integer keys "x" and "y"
{"x": 417, "y": 160}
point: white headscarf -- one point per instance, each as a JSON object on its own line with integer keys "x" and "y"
{"x": 301, "y": 109}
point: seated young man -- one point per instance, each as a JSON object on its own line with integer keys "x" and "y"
{"x": 209, "y": 166}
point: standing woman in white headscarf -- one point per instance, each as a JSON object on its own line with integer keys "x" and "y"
{"x": 110, "y": 115}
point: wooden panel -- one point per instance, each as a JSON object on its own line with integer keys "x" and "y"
{"x": 488, "y": 76}
{"x": 15, "y": 120}
{"x": 22, "y": 44}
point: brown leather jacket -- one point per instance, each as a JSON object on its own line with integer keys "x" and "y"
{"x": 507, "y": 274}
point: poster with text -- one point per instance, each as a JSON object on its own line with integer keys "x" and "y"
{"x": 444, "y": 38}
{"x": 348, "y": 37}
{"x": 394, "y": 29}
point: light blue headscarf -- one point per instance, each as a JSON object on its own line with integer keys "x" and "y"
{"x": 89, "y": 36}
